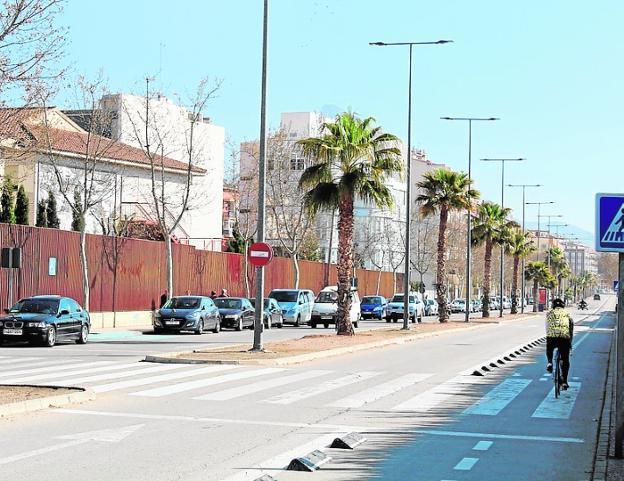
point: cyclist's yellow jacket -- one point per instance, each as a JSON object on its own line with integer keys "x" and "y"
{"x": 559, "y": 324}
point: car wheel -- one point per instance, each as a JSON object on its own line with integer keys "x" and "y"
{"x": 158, "y": 330}
{"x": 297, "y": 321}
{"x": 84, "y": 335}
{"x": 217, "y": 327}
{"x": 239, "y": 326}
{"x": 312, "y": 324}
{"x": 281, "y": 323}
{"x": 355, "y": 324}
{"x": 200, "y": 329}
{"x": 394, "y": 319}
{"x": 388, "y": 319}
{"x": 50, "y": 338}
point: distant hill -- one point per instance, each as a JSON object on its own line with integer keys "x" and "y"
{"x": 584, "y": 236}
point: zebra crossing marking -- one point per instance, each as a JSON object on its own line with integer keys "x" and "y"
{"x": 499, "y": 397}
{"x": 55, "y": 367}
{"x": 114, "y": 386}
{"x": 561, "y": 408}
{"x": 307, "y": 392}
{"x": 37, "y": 377}
{"x": 19, "y": 360}
{"x": 380, "y": 391}
{"x": 187, "y": 386}
{"x": 116, "y": 375}
{"x": 235, "y": 392}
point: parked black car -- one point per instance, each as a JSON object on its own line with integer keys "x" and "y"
{"x": 188, "y": 313}
{"x": 236, "y": 312}
{"x": 273, "y": 315}
{"x": 596, "y": 297}
{"x": 45, "y": 320}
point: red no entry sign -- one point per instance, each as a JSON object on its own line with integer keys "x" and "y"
{"x": 260, "y": 254}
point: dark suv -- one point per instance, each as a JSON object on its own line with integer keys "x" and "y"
{"x": 45, "y": 320}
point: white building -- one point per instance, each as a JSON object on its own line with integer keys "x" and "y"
{"x": 37, "y": 157}
{"x": 170, "y": 125}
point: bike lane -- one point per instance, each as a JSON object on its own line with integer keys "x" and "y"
{"x": 514, "y": 429}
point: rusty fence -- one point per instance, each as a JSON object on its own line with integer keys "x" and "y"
{"x": 130, "y": 274}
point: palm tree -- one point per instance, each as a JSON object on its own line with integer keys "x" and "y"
{"x": 518, "y": 246}
{"x": 444, "y": 191}
{"x": 351, "y": 160}
{"x": 540, "y": 275}
{"x": 490, "y": 227}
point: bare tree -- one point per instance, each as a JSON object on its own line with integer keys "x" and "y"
{"x": 171, "y": 199}
{"x": 425, "y": 233}
{"x": 30, "y": 46}
{"x": 370, "y": 248}
{"x": 394, "y": 244}
{"x": 83, "y": 182}
{"x": 289, "y": 221}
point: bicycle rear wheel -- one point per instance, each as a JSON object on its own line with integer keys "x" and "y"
{"x": 557, "y": 372}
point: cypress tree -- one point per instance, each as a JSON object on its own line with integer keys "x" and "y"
{"x": 51, "y": 212}
{"x": 78, "y": 222}
{"x": 21, "y": 207}
{"x": 42, "y": 215}
{"x": 6, "y": 200}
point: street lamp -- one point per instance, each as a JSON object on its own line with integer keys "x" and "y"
{"x": 524, "y": 186}
{"x": 539, "y": 208}
{"x": 408, "y": 240}
{"x": 258, "y": 316}
{"x": 502, "y": 247}
{"x": 469, "y": 218}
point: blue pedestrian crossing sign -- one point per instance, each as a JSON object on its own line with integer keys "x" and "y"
{"x": 610, "y": 222}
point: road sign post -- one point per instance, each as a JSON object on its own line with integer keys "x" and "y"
{"x": 610, "y": 238}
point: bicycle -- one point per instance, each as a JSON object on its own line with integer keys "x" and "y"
{"x": 557, "y": 372}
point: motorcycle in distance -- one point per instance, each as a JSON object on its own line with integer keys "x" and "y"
{"x": 582, "y": 305}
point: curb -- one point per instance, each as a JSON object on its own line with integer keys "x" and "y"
{"x": 482, "y": 369}
{"x": 37, "y": 404}
{"x": 169, "y": 359}
{"x": 603, "y": 436}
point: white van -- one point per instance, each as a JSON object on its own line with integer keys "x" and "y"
{"x": 325, "y": 307}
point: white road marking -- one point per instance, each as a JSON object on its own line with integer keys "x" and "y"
{"x": 114, "y": 435}
{"x": 235, "y": 392}
{"x": 113, "y": 386}
{"x": 435, "y": 397}
{"x": 19, "y": 360}
{"x": 187, "y": 386}
{"x": 482, "y": 445}
{"x": 55, "y": 367}
{"x": 561, "y": 408}
{"x": 116, "y": 375}
{"x": 519, "y": 437}
{"x": 499, "y": 398}
{"x": 89, "y": 370}
{"x": 466, "y": 464}
{"x": 307, "y": 392}
{"x": 280, "y": 462}
{"x": 377, "y": 392}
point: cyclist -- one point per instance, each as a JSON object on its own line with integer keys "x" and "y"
{"x": 559, "y": 334}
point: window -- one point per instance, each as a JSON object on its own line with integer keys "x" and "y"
{"x": 65, "y": 306}
{"x": 297, "y": 162}
{"x": 74, "y": 306}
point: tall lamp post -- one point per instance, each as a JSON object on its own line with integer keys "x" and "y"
{"x": 408, "y": 240}
{"x": 470, "y": 120}
{"x": 502, "y": 247}
{"x": 524, "y": 186}
{"x": 539, "y": 216}
{"x": 258, "y": 317}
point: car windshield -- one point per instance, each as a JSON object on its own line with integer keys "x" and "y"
{"x": 459, "y": 301}
{"x": 267, "y": 302}
{"x": 284, "y": 296}
{"x": 226, "y": 303}
{"x": 36, "y": 306}
{"x": 183, "y": 303}
{"x": 430, "y": 302}
{"x": 327, "y": 297}
{"x": 371, "y": 300}
{"x": 399, "y": 298}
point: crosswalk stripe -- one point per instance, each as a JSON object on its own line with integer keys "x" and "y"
{"x": 377, "y": 392}
{"x": 499, "y": 397}
{"x": 187, "y": 386}
{"x": 260, "y": 386}
{"x": 18, "y": 360}
{"x": 55, "y": 367}
{"x": 294, "y": 396}
{"x": 551, "y": 408}
{"x": 115, "y": 375}
{"x": 72, "y": 372}
{"x": 432, "y": 398}
{"x": 163, "y": 377}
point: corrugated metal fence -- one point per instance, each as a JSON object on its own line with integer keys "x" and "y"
{"x": 130, "y": 274}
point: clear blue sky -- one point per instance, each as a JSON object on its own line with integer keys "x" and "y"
{"x": 551, "y": 70}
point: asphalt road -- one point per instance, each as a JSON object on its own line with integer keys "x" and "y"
{"x": 424, "y": 416}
